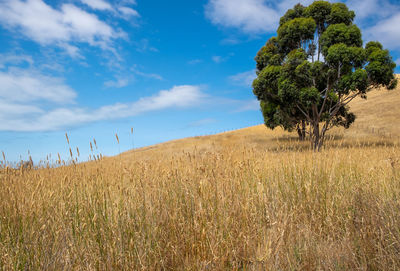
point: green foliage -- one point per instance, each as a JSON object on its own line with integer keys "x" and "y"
{"x": 294, "y": 86}
{"x": 340, "y": 14}
{"x": 292, "y": 33}
{"x": 356, "y": 81}
{"x": 309, "y": 96}
{"x": 296, "y": 12}
{"x": 349, "y": 35}
{"x": 341, "y": 54}
{"x": 268, "y": 54}
{"x": 380, "y": 66}
{"x": 265, "y": 86}
{"x": 320, "y": 12}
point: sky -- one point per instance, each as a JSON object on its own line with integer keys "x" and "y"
{"x": 164, "y": 69}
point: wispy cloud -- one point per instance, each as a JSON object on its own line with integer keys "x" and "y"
{"x": 252, "y": 16}
{"x": 15, "y": 116}
{"x": 123, "y": 79}
{"x": 138, "y": 72}
{"x": 121, "y": 10}
{"x": 119, "y": 82}
{"x": 230, "y": 41}
{"x": 387, "y": 32}
{"x": 244, "y": 78}
{"x": 14, "y": 59}
{"x": 22, "y": 86}
{"x": 127, "y": 12}
{"x": 371, "y": 10}
{"x": 49, "y": 26}
{"x": 98, "y": 4}
{"x": 220, "y": 59}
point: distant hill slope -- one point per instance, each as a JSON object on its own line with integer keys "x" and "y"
{"x": 377, "y": 117}
{"x": 378, "y": 114}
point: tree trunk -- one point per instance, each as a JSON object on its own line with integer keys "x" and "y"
{"x": 315, "y": 137}
{"x": 299, "y": 133}
{"x": 301, "y": 130}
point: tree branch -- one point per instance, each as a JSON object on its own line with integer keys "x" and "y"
{"x": 304, "y": 113}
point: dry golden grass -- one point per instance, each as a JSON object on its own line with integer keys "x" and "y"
{"x": 251, "y": 199}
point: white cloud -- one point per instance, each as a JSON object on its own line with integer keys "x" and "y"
{"x": 71, "y": 50}
{"x": 98, "y": 4}
{"x": 117, "y": 83}
{"x": 220, "y": 59}
{"x": 128, "y": 2}
{"x": 262, "y": 16}
{"x": 26, "y": 117}
{"x": 49, "y": 26}
{"x": 12, "y": 110}
{"x": 124, "y": 79}
{"x": 244, "y": 79}
{"x": 149, "y": 75}
{"x": 387, "y": 32}
{"x": 128, "y": 12}
{"x": 22, "y": 86}
{"x": 14, "y": 59}
{"x": 178, "y": 96}
{"x": 253, "y": 16}
{"x": 371, "y": 9}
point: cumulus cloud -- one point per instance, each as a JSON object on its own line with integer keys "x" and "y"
{"x": 244, "y": 79}
{"x": 49, "y": 26}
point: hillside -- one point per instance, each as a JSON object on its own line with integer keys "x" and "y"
{"x": 378, "y": 118}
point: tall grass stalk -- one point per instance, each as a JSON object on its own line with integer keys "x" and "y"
{"x": 241, "y": 208}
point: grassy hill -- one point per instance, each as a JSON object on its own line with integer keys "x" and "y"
{"x": 251, "y": 199}
{"x": 378, "y": 121}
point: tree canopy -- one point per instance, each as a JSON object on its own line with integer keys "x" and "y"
{"x": 315, "y": 66}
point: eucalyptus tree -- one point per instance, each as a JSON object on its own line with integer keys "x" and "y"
{"x": 315, "y": 66}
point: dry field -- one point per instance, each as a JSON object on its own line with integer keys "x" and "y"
{"x": 251, "y": 199}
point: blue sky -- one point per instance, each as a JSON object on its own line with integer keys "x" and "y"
{"x": 169, "y": 69}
